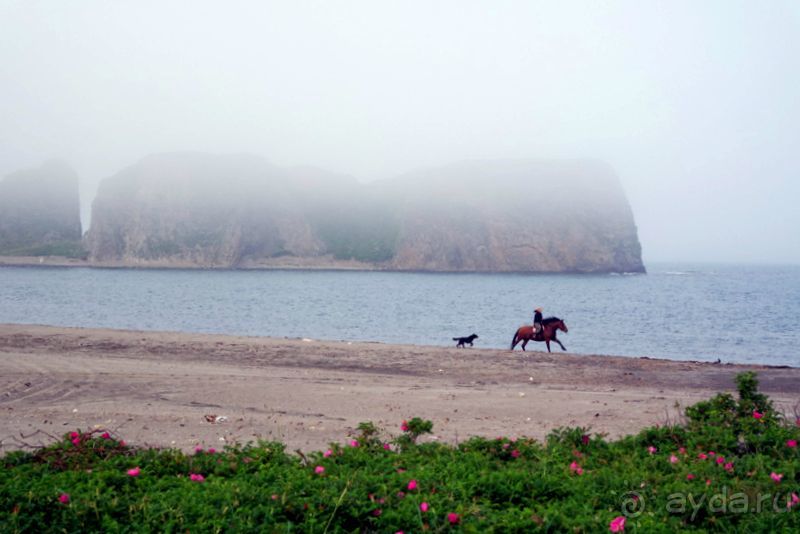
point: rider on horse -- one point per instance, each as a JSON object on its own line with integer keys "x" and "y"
{"x": 542, "y": 330}
{"x": 537, "y": 321}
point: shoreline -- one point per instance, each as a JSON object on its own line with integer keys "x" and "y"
{"x": 156, "y": 388}
{"x": 279, "y": 264}
{"x": 532, "y": 349}
{"x": 410, "y": 346}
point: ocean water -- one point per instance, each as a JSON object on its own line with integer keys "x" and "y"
{"x": 745, "y": 314}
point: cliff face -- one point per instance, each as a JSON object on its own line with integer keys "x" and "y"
{"x": 517, "y": 216}
{"x": 199, "y": 210}
{"x": 239, "y": 211}
{"x": 40, "y": 212}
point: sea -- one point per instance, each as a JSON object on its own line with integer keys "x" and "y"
{"x": 703, "y": 312}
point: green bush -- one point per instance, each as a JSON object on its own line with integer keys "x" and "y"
{"x": 365, "y": 233}
{"x": 734, "y": 466}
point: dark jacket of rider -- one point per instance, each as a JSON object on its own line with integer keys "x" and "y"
{"x": 537, "y": 320}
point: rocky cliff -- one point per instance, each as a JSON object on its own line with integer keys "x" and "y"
{"x": 40, "y": 212}
{"x": 545, "y": 216}
{"x": 239, "y": 211}
{"x": 201, "y": 210}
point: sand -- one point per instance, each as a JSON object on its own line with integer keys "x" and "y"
{"x": 155, "y": 388}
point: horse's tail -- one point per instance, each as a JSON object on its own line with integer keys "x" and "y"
{"x": 514, "y": 341}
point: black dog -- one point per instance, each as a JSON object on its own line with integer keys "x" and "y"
{"x": 462, "y": 340}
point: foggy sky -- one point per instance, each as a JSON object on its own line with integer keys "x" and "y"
{"x": 695, "y": 104}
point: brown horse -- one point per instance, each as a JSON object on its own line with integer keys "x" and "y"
{"x": 549, "y": 328}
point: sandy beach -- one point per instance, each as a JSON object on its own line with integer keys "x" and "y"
{"x": 156, "y": 388}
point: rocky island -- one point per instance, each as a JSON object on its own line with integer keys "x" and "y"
{"x": 240, "y": 211}
{"x": 40, "y": 212}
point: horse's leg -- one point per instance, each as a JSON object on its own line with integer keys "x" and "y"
{"x": 547, "y": 342}
{"x": 524, "y": 342}
{"x": 514, "y": 341}
{"x": 555, "y": 338}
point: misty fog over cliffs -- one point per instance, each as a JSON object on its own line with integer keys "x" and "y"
{"x": 240, "y": 211}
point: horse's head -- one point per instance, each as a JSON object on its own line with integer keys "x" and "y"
{"x": 556, "y": 324}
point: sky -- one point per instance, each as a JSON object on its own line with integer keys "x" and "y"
{"x": 695, "y": 104}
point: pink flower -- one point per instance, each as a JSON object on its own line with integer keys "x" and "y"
{"x": 711, "y": 453}
{"x": 585, "y": 439}
{"x": 776, "y": 477}
{"x": 757, "y": 414}
{"x": 319, "y": 470}
{"x": 453, "y": 518}
{"x": 73, "y": 435}
{"x": 63, "y": 498}
{"x": 690, "y": 477}
{"x": 412, "y": 485}
{"x": 708, "y": 482}
{"x": 720, "y": 460}
{"x": 423, "y": 507}
{"x": 354, "y": 443}
{"x": 76, "y": 441}
{"x": 515, "y": 453}
{"x": 795, "y": 500}
{"x": 387, "y": 447}
{"x": 702, "y": 456}
{"x": 682, "y": 450}
{"x": 134, "y": 472}
{"x": 673, "y": 459}
{"x": 404, "y": 426}
{"x": 211, "y": 450}
{"x": 729, "y": 467}
{"x": 576, "y": 468}
{"x": 274, "y": 496}
{"x": 327, "y": 453}
{"x": 198, "y": 448}
{"x": 122, "y": 442}
{"x": 617, "y": 524}
{"x": 196, "y": 477}
{"x": 377, "y": 512}
{"x": 792, "y": 443}
{"x": 651, "y": 449}
{"x": 105, "y": 435}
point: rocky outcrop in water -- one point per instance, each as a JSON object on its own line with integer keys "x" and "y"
{"x": 544, "y": 216}
{"x": 40, "y": 212}
{"x": 200, "y": 210}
